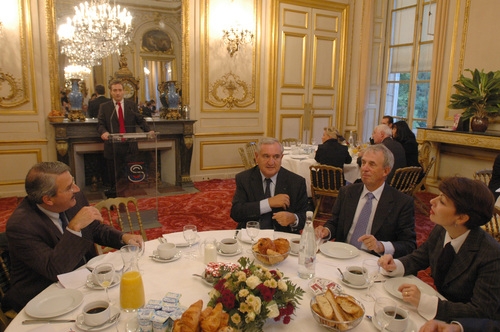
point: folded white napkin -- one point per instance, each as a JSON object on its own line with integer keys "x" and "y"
{"x": 179, "y": 241}
{"x": 113, "y": 257}
{"x": 74, "y": 279}
{"x": 262, "y": 233}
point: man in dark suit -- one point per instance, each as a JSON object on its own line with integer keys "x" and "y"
{"x": 109, "y": 121}
{"x": 93, "y": 110}
{"x": 282, "y": 207}
{"x": 53, "y": 231}
{"x": 461, "y": 325}
{"x": 383, "y": 134}
{"x": 390, "y": 227}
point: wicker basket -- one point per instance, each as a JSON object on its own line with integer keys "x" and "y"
{"x": 56, "y": 118}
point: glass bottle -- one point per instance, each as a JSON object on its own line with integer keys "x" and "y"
{"x": 351, "y": 139}
{"x": 307, "y": 249}
{"x": 131, "y": 285}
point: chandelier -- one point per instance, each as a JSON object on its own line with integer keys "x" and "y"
{"x": 76, "y": 72}
{"x": 234, "y": 37}
{"x": 96, "y": 31}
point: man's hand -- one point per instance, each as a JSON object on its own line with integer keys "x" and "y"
{"x": 279, "y": 201}
{"x": 84, "y": 217}
{"x": 322, "y": 232}
{"x": 387, "y": 263}
{"x": 284, "y": 218}
{"x": 439, "y": 326}
{"x": 133, "y": 239}
{"x": 371, "y": 243}
{"x": 105, "y": 136}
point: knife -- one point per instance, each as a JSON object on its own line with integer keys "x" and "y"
{"x": 236, "y": 234}
{"x": 47, "y": 321}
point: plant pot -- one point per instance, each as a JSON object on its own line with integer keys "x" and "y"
{"x": 479, "y": 124}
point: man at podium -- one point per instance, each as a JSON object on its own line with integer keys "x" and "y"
{"x": 118, "y": 116}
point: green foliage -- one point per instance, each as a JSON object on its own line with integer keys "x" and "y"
{"x": 478, "y": 96}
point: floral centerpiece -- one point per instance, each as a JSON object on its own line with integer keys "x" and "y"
{"x": 253, "y": 293}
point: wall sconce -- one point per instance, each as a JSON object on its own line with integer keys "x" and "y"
{"x": 234, "y": 37}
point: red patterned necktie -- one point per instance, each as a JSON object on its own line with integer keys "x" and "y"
{"x": 121, "y": 121}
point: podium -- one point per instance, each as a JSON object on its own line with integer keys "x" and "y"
{"x": 135, "y": 168}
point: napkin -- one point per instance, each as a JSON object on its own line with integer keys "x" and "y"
{"x": 262, "y": 233}
{"x": 74, "y": 279}
{"x": 113, "y": 257}
{"x": 179, "y": 241}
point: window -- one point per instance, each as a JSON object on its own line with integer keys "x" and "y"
{"x": 410, "y": 35}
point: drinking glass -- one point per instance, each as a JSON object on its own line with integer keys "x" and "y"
{"x": 104, "y": 275}
{"x": 190, "y": 233}
{"x": 370, "y": 272}
{"x": 384, "y": 312}
{"x": 253, "y": 228}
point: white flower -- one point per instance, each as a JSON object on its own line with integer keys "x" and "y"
{"x": 273, "y": 309}
{"x": 282, "y": 286}
{"x": 271, "y": 283}
{"x": 243, "y": 292}
{"x": 254, "y": 302}
{"x": 250, "y": 317}
{"x": 253, "y": 281}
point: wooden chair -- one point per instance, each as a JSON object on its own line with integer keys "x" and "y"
{"x": 115, "y": 208}
{"x": 483, "y": 175}
{"x": 418, "y": 188}
{"x": 325, "y": 182}
{"x": 251, "y": 150}
{"x": 244, "y": 159}
{"x": 5, "y": 317}
{"x": 290, "y": 141}
{"x": 405, "y": 179}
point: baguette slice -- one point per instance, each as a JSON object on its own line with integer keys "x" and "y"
{"x": 348, "y": 304}
{"x": 337, "y": 310}
{"x": 324, "y": 306}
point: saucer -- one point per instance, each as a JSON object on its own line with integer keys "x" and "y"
{"x": 157, "y": 258}
{"x": 222, "y": 253}
{"x": 348, "y": 284}
{"x": 412, "y": 327}
{"x": 90, "y": 283}
{"x": 294, "y": 253}
{"x": 81, "y": 325}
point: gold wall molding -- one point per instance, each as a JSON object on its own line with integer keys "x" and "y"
{"x": 28, "y": 142}
{"x": 230, "y": 91}
{"x": 221, "y": 144}
{"x": 15, "y": 57}
{"x": 257, "y": 133}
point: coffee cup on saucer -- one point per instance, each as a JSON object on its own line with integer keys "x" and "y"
{"x": 166, "y": 250}
{"x": 228, "y": 245}
{"x": 354, "y": 275}
{"x": 96, "y": 313}
{"x": 295, "y": 245}
{"x": 400, "y": 321}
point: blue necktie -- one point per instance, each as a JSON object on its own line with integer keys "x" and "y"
{"x": 64, "y": 221}
{"x": 362, "y": 224}
{"x": 266, "y": 221}
{"x": 267, "y": 192}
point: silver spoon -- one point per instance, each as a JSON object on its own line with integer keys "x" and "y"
{"x": 209, "y": 279}
{"x": 111, "y": 320}
{"x": 341, "y": 274}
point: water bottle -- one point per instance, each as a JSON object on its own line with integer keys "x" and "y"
{"x": 307, "y": 249}
{"x": 351, "y": 139}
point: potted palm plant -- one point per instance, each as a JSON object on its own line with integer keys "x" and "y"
{"x": 478, "y": 96}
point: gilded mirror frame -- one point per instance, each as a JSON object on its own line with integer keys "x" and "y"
{"x": 53, "y": 54}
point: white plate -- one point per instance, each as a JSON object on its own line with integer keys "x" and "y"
{"x": 54, "y": 303}
{"x": 81, "y": 325}
{"x": 392, "y": 285}
{"x": 298, "y": 156}
{"x": 412, "y": 327}
{"x": 90, "y": 282}
{"x": 339, "y": 250}
{"x": 113, "y": 257}
{"x": 157, "y": 258}
{"x": 348, "y": 284}
{"x": 222, "y": 253}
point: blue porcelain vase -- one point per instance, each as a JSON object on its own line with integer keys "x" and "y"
{"x": 75, "y": 96}
{"x": 173, "y": 98}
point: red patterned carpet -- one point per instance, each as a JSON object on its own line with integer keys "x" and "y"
{"x": 209, "y": 209}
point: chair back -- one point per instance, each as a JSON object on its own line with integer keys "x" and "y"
{"x": 325, "y": 182}
{"x": 483, "y": 175}
{"x": 244, "y": 158}
{"x": 117, "y": 209}
{"x": 251, "y": 149}
{"x": 5, "y": 318}
{"x": 290, "y": 141}
{"x": 405, "y": 179}
{"x": 493, "y": 226}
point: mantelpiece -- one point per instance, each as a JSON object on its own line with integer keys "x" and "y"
{"x": 76, "y": 138}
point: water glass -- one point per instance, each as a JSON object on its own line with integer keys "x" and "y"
{"x": 252, "y": 229}
{"x": 370, "y": 272}
{"x": 104, "y": 274}
{"x": 190, "y": 233}
{"x": 384, "y": 312}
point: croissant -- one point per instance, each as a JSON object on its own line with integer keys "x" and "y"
{"x": 212, "y": 322}
{"x": 190, "y": 319}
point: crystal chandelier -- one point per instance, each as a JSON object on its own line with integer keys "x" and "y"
{"x": 96, "y": 31}
{"x": 76, "y": 72}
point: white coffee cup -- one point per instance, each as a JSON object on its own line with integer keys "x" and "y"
{"x": 96, "y": 313}
{"x": 295, "y": 245}
{"x": 166, "y": 250}
{"x": 228, "y": 245}
{"x": 354, "y": 275}
{"x": 400, "y": 321}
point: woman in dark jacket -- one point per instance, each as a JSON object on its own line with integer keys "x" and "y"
{"x": 331, "y": 152}
{"x": 402, "y": 133}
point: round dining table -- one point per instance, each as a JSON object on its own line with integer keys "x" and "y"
{"x": 177, "y": 276}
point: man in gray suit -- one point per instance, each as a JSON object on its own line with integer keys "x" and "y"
{"x": 283, "y": 207}
{"x": 108, "y": 122}
{"x": 53, "y": 231}
{"x": 390, "y": 226}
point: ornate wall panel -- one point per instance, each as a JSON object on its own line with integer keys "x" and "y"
{"x": 24, "y": 158}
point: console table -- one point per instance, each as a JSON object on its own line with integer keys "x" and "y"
{"x": 73, "y": 138}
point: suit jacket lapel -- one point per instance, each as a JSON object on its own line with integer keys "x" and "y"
{"x": 384, "y": 208}
{"x": 256, "y": 183}
{"x": 465, "y": 255}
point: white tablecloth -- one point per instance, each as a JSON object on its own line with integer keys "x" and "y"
{"x": 160, "y": 278}
{"x": 299, "y": 164}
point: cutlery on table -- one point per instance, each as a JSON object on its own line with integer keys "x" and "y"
{"x": 341, "y": 274}
{"x": 111, "y": 320}
{"x": 236, "y": 234}
{"x": 47, "y": 321}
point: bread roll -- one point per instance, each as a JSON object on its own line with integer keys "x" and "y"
{"x": 282, "y": 245}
